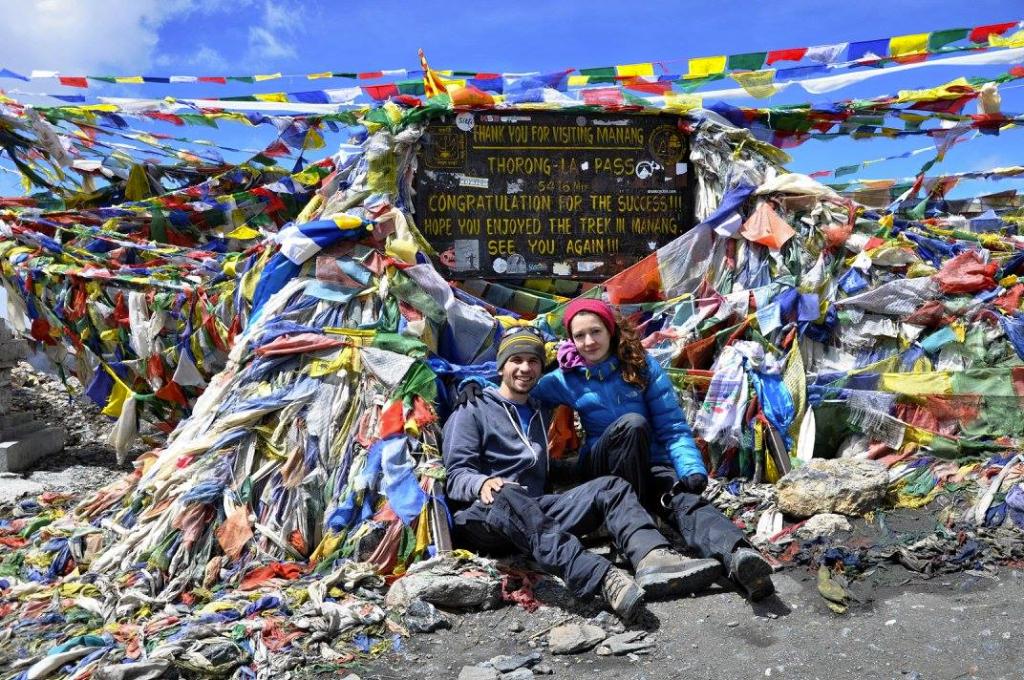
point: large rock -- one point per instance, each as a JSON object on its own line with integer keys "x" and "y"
{"x": 446, "y": 583}
{"x": 574, "y": 638}
{"x": 843, "y": 485}
{"x": 478, "y": 673}
{"x": 828, "y": 524}
{"x": 506, "y": 663}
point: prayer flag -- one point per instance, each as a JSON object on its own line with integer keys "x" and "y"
{"x": 432, "y": 84}
{"x": 982, "y": 34}
{"x": 825, "y": 54}
{"x": 750, "y": 61}
{"x": 704, "y": 66}
{"x": 902, "y": 45}
{"x": 299, "y": 242}
{"x": 793, "y": 54}
{"x": 939, "y": 39}
{"x": 633, "y": 70}
{"x": 73, "y": 81}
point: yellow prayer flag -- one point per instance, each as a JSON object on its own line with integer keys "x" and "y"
{"x": 129, "y": 79}
{"x": 402, "y": 249}
{"x": 331, "y": 365}
{"x": 244, "y": 233}
{"x": 681, "y": 103}
{"x": 759, "y": 84}
{"x": 578, "y": 81}
{"x": 118, "y": 395}
{"x": 634, "y": 70}
{"x": 936, "y": 382}
{"x": 1012, "y": 40}
{"x": 940, "y": 92}
{"x": 271, "y": 97}
{"x": 268, "y": 76}
{"x": 902, "y": 45}
{"x": 313, "y": 140}
{"x": 317, "y": 76}
{"x": 705, "y": 66}
{"x": 307, "y": 177}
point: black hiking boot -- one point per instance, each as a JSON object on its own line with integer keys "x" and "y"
{"x": 751, "y": 572}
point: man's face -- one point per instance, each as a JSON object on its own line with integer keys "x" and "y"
{"x": 521, "y": 372}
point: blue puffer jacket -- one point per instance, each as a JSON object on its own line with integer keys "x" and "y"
{"x": 600, "y": 395}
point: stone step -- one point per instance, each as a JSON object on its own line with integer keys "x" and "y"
{"x": 19, "y": 454}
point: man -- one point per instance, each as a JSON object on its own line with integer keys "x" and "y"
{"x": 495, "y": 452}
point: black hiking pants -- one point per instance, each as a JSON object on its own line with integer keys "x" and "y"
{"x": 547, "y": 528}
{"x": 623, "y": 450}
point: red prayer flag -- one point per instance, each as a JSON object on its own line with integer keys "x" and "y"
{"x": 381, "y": 92}
{"x": 370, "y": 75}
{"x": 276, "y": 149}
{"x": 980, "y": 34}
{"x": 793, "y": 54}
{"x": 641, "y": 85}
{"x": 603, "y": 96}
{"x": 73, "y": 81}
{"x": 220, "y": 80}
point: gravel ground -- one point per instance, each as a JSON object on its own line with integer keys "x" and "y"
{"x": 87, "y": 462}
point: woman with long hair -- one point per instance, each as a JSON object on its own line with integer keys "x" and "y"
{"x": 635, "y": 429}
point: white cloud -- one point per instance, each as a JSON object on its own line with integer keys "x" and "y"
{"x": 272, "y": 38}
{"x": 84, "y": 37}
{"x": 264, "y": 45}
{"x": 206, "y": 60}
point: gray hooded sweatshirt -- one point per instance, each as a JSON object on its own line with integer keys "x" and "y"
{"x": 485, "y": 439}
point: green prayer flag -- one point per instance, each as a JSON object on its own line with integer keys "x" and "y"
{"x": 749, "y": 61}
{"x": 157, "y": 226}
{"x": 939, "y": 39}
{"x": 846, "y": 170}
{"x": 196, "y": 119}
{"x": 602, "y": 71}
{"x": 411, "y": 86}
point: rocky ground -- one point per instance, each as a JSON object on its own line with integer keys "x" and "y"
{"x": 899, "y": 624}
{"x": 86, "y": 462}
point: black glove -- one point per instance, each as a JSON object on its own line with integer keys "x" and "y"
{"x": 469, "y": 393}
{"x": 695, "y": 484}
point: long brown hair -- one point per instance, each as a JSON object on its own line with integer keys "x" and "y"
{"x": 632, "y": 355}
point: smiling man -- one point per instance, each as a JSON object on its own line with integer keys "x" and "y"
{"x": 495, "y": 452}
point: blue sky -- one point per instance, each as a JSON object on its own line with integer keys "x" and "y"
{"x": 236, "y": 37}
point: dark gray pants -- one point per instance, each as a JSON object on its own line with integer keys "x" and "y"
{"x": 623, "y": 450}
{"x": 547, "y": 528}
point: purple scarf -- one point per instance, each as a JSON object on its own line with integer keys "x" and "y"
{"x": 569, "y": 356}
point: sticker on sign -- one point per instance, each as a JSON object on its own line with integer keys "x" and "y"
{"x": 474, "y": 182}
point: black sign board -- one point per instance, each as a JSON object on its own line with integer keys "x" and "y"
{"x": 518, "y": 194}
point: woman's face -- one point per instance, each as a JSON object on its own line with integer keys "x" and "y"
{"x": 591, "y": 337}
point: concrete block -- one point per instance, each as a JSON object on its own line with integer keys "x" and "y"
{"x": 19, "y": 454}
{"x": 12, "y": 429}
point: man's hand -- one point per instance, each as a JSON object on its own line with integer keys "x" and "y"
{"x": 489, "y": 488}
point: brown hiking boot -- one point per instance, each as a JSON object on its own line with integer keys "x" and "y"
{"x": 622, "y": 594}
{"x": 663, "y": 573}
{"x": 752, "y": 573}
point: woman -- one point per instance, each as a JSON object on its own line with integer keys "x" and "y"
{"x": 636, "y": 430}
